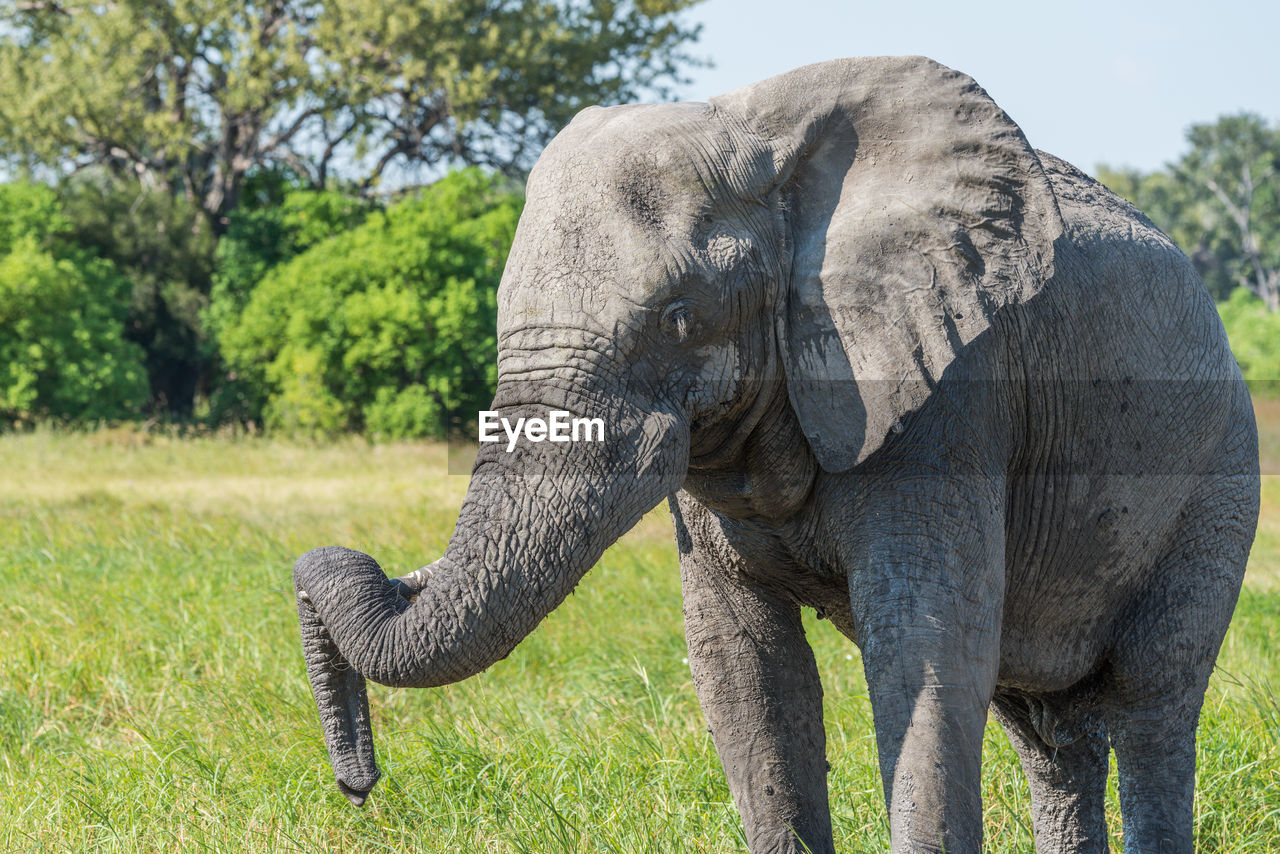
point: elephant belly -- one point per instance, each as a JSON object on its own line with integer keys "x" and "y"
{"x": 1079, "y": 549}
{"x": 1106, "y": 466}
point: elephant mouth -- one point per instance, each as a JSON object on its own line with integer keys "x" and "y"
{"x": 712, "y": 448}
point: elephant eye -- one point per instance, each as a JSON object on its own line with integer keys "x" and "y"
{"x": 677, "y": 321}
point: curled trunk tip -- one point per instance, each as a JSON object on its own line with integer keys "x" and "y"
{"x": 340, "y": 693}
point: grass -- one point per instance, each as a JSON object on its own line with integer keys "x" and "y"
{"x": 153, "y": 697}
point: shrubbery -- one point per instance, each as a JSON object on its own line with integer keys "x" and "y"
{"x": 163, "y": 245}
{"x": 62, "y": 348}
{"x": 1254, "y": 333}
{"x": 327, "y": 314}
{"x": 386, "y": 328}
{"x": 276, "y": 221}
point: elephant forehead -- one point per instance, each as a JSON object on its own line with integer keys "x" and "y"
{"x": 582, "y": 247}
{"x": 565, "y": 270}
{"x": 615, "y": 217}
{"x": 587, "y": 231}
{"x": 632, "y": 190}
{"x": 646, "y": 165}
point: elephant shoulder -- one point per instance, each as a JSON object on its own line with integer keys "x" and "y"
{"x": 1119, "y": 252}
{"x": 1093, "y": 214}
{"x": 1130, "y": 290}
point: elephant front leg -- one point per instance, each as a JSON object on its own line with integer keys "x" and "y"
{"x": 758, "y": 685}
{"x": 928, "y": 603}
{"x": 930, "y": 707}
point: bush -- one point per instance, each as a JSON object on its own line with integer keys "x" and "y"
{"x": 386, "y": 328}
{"x": 163, "y": 245}
{"x": 62, "y": 312}
{"x": 1254, "y": 333}
{"x": 277, "y": 220}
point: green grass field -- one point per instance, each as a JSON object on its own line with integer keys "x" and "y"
{"x": 153, "y": 695}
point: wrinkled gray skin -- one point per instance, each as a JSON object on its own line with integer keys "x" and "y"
{"x": 900, "y": 368}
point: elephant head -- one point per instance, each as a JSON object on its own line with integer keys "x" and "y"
{"x": 802, "y": 257}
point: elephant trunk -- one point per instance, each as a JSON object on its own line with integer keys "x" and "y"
{"x": 534, "y": 521}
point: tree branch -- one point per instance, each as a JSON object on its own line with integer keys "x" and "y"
{"x": 400, "y": 147}
{"x": 37, "y": 6}
{"x": 1264, "y": 282}
{"x": 289, "y": 132}
{"x": 322, "y": 168}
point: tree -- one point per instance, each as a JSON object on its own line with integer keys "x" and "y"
{"x": 1254, "y": 333}
{"x": 62, "y": 348}
{"x": 1220, "y": 202}
{"x": 193, "y": 96}
{"x": 160, "y": 243}
{"x": 153, "y": 115}
{"x": 1235, "y": 161}
{"x": 387, "y": 327}
{"x": 276, "y": 221}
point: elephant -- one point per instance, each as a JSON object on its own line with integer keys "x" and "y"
{"x": 884, "y": 360}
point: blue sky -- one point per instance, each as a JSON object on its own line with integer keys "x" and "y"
{"x": 1092, "y": 82}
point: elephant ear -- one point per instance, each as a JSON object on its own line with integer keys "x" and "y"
{"x": 916, "y": 211}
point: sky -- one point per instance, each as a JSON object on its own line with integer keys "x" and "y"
{"x": 1092, "y": 82}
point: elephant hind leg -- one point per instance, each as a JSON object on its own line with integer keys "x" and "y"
{"x": 1156, "y": 758}
{"x": 1152, "y": 713}
{"x": 1160, "y": 666}
{"x": 1062, "y": 743}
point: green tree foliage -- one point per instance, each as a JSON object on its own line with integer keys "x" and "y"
{"x": 62, "y": 348}
{"x": 162, "y": 244}
{"x": 193, "y": 96}
{"x": 1221, "y": 203}
{"x": 278, "y": 219}
{"x": 1236, "y": 160}
{"x": 388, "y": 327}
{"x": 1254, "y": 333}
{"x": 163, "y": 111}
